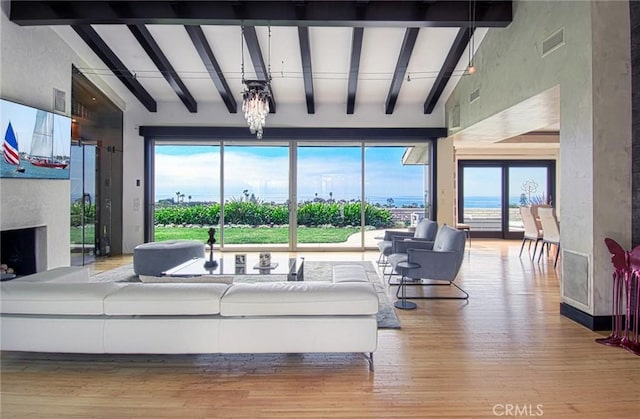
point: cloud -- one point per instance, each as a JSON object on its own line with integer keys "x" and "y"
{"x": 267, "y": 176}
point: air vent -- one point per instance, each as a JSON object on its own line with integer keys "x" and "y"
{"x": 475, "y": 95}
{"x": 59, "y": 101}
{"x": 454, "y": 118}
{"x": 553, "y": 42}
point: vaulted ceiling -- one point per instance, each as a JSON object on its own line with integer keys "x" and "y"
{"x": 343, "y": 53}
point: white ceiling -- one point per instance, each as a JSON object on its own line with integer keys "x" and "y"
{"x": 330, "y": 56}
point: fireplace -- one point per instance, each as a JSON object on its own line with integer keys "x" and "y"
{"x": 24, "y": 250}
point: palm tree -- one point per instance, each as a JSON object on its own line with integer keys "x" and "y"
{"x": 182, "y": 197}
{"x": 178, "y": 197}
{"x": 189, "y": 198}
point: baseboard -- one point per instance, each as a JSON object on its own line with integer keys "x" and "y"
{"x": 594, "y": 323}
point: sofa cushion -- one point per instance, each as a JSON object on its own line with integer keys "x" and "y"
{"x": 56, "y": 298}
{"x": 165, "y": 299}
{"x": 299, "y": 298}
{"x": 71, "y": 274}
{"x": 349, "y": 273}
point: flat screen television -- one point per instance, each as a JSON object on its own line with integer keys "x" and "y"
{"x": 36, "y": 144}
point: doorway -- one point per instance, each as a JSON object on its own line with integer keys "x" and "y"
{"x": 491, "y": 191}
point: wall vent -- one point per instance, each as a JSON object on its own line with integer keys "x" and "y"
{"x": 454, "y": 118}
{"x": 475, "y": 95}
{"x": 59, "y": 101}
{"x": 575, "y": 276}
{"x": 552, "y": 43}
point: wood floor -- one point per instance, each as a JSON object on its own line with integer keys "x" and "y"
{"x": 504, "y": 352}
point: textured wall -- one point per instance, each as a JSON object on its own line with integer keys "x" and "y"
{"x": 635, "y": 68}
{"x": 33, "y": 62}
{"x": 593, "y": 72}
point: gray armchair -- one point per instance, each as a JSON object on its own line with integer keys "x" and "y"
{"x": 439, "y": 261}
{"x": 425, "y": 231}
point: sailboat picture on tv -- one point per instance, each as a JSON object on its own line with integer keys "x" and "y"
{"x": 42, "y": 144}
{"x": 36, "y": 143}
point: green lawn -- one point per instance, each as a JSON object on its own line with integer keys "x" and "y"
{"x": 89, "y": 234}
{"x": 259, "y": 235}
{"x": 238, "y": 235}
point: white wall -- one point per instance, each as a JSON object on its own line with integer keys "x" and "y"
{"x": 34, "y": 61}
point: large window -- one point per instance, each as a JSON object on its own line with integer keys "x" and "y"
{"x": 490, "y": 193}
{"x": 338, "y": 194}
{"x": 256, "y": 195}
{"x": 329, "y": 193}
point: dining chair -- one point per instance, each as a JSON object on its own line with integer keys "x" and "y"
{"x": 532, "y": 233}
{"x": 550, "y": 232}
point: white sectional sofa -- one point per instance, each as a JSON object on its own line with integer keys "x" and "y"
{"x": 166, "y": 318}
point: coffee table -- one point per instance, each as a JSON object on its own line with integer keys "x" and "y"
{"x": 226, "y": 265}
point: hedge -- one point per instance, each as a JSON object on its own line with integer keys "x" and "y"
{"x": 254, "y": 214}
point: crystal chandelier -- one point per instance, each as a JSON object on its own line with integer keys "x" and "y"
{"x": 255, "y": 104}
{"x": 256, "y": 96}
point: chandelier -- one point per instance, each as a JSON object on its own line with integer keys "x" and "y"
{"x": 255, "y": 104}
{"x": 256, "y": 96}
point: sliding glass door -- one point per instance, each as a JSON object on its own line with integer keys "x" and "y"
{"x": 338, "y": 195}
{"x": 527, "y": 186}
{"x": 187, "y": 191}
{"x": 256, "y": 195}
{"x": 397, "y": 182}
{"x": 481, "y": 202}
{"x": 490, "y": 193}
{"x": 329, "y": 195}
{"x": 83, "y": 203}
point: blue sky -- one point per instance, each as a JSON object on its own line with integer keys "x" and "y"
{"x": 486, "y": 181}
{"x": 264, "y": 171}
{"x": 195, "y": 171}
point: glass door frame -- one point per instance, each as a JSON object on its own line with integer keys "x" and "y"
{"x": 88, "y": 251}
{"x": 364, "y": 136}
{"x": 504, "y": 165}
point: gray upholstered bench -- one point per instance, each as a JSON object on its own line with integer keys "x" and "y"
{"x": 156, "y": 257}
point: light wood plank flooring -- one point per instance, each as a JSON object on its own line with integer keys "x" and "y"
{"x": 505, "y": 352}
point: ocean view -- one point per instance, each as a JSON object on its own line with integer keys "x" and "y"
{"x": 489, "y": 202}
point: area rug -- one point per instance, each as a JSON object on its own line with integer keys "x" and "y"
{"x": 313, "y": 271}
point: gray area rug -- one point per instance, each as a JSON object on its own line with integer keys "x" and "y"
{"x": 313, "y": 271}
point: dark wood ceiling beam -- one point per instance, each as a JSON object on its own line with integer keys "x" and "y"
{"x": 154, "y": 52}
{"x": 444, "y": 13}
{"x": 410, "y": 37}
{"x": 213, "y": 68}
{"x": 251, "y": 39}
{"x": 354, "y": 69}
{"x": 306, "y": 134}
{"x": 449, "y": 65}
{"x": 100, "y": 48}
{"x": 305, "y": 55}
